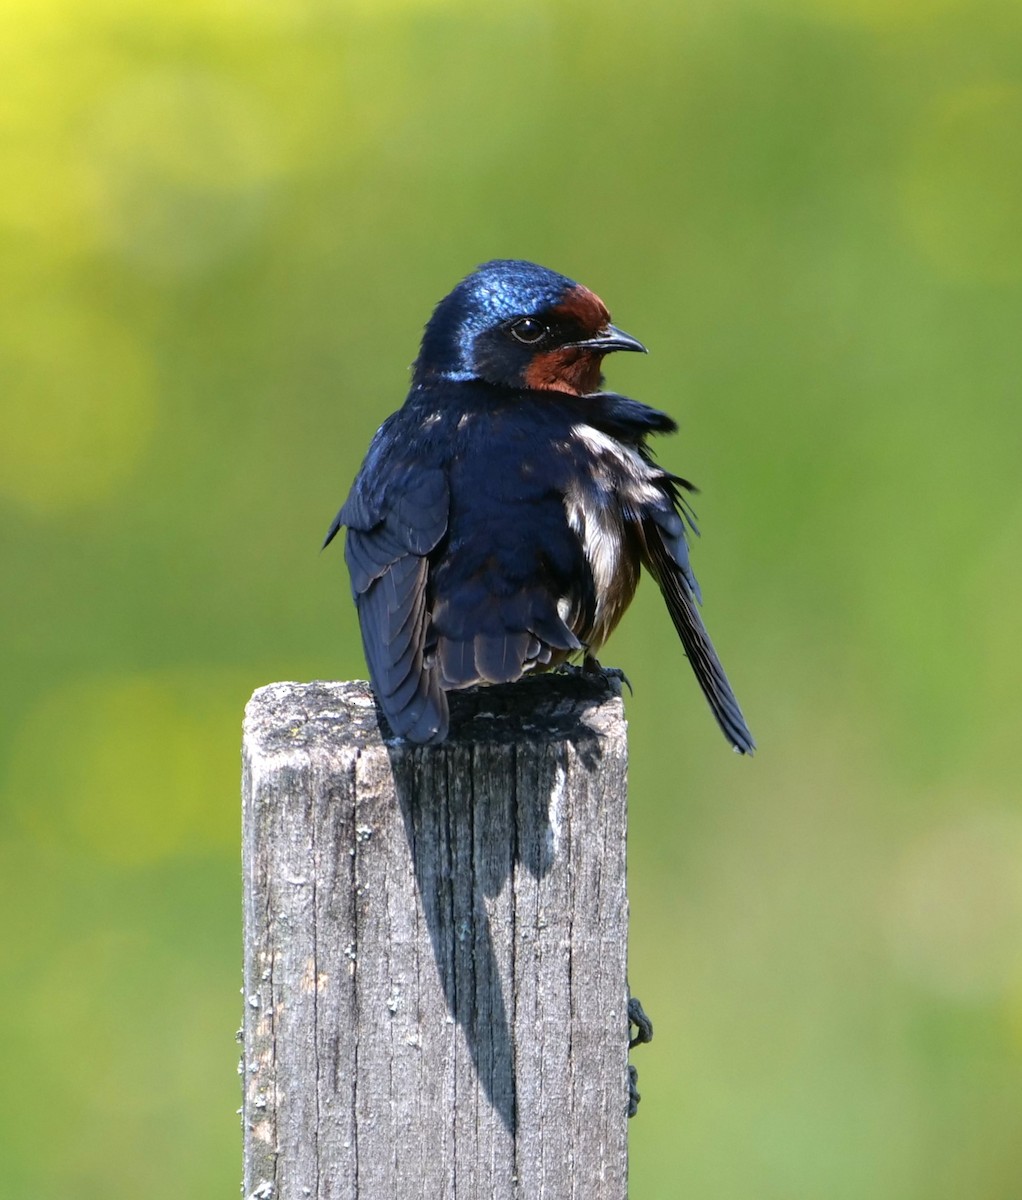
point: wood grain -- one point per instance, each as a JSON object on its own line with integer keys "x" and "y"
{"x": 435, "y": 947}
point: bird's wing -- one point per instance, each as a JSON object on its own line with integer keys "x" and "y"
{"x": 665, "y": 554}
{"x": 396, "y": 515}
{"x": 505, "y": 597}
{"x": 493, "y": 627}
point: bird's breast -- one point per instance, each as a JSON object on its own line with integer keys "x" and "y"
{"x": 612, "y": 556}
{"x": 612, "y": 486}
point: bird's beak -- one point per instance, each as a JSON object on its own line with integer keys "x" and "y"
{"x": 611, "y": 338}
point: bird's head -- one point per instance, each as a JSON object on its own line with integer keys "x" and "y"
{"x": 516, "y": 324}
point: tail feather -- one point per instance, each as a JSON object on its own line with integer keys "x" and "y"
{"x": 673, "y": 579}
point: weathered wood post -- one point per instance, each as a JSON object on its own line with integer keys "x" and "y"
{"x": 435, "y": 947}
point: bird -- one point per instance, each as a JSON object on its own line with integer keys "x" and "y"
{"x": 502, "y": 516}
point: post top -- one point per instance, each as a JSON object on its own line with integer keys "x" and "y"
{"x": 287, "y": 716}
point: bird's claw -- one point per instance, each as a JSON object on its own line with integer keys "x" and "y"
{"x": 591, "y": 667}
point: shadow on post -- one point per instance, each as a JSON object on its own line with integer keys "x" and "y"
{"x": 480, "y": 823}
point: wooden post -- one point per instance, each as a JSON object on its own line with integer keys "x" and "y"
{"x": 435, "y": 947}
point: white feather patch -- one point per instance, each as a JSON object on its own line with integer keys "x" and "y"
{"x": 624, "y": 468}
{"x": 621, "y": 483}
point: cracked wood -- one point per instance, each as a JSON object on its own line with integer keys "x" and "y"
{"x": 435, "y": 947}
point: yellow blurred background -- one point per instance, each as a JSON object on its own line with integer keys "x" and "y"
{"x": 222, "y": 226}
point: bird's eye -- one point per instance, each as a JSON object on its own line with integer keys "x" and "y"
{"x": 528, "y": 330}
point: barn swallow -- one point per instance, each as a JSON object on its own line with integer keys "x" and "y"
{"x": 502, "y": 516}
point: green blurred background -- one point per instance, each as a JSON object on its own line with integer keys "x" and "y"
{"x": 222, "y": 226}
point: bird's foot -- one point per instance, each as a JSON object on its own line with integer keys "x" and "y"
{"x": 592, "y": 669}
{"x": 643, "y": 1033}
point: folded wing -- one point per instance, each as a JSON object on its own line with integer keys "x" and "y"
{"x": 391, "y": 531}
